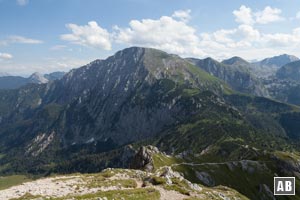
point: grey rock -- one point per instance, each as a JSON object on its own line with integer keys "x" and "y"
{"x": 143, "y": 158}
{"x": 205, "y": 178}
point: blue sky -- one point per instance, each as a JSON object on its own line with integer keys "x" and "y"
{"x": 57, "y": 35}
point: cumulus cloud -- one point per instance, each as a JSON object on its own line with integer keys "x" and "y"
{"x": 249, "y": 33}
{"x": 5, "y": 56}
{"x": 225, "y": 41}
{"x": 268, "y": 15}
{"x": 88, "y": 35}
{"x": 244, "y": 15}
{"x": 283, "y": 39}
{"x": 170, "y": 33}
{"x": 249, "y": 42}
{"x": 22, "y": 2}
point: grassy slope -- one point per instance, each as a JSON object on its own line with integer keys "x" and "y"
{"x": 8, "y": 181}
{"x": 246, "y": 178}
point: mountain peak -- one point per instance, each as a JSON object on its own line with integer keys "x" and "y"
{"x": 235, "y": 61}
{"x": 37, "y": 78}
{"x": 278, "y": 61}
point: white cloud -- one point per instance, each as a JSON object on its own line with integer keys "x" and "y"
{"x": 88, "y": 35}
{"x": 244, "y": 15}
{"x": 240, "y": 36}
{"x": 248, "y": 42}
{"x": 172, "y": 34}
{"x": 268, "y": 15}
{"x": 298, "y": 15}
{"x": 19, "y": 40}
{"x": 22, "y": 40}
{"x": 5, "y": 56}
{"x": 249, "y": 33}
{"x": 22, "y": 2}
{"x": 184, "y": 15}
{"x": 283, "y": 39}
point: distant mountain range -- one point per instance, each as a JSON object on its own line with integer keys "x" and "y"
{"x": 277, "y": 77}
{"x": 278, "y": 61}
{"x": 8, "y": 81}
{"x": 235, "y": 72}
{"x": 269, "y": 66}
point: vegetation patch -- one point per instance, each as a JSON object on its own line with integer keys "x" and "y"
{"x": 9, "y": 181}
{"x": 132, "y": 194}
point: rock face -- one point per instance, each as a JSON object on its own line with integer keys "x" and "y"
{"x": 143, "y": 158}
{"x": 290, "y": 71}
{"x": 37, "y": 78}
{"x": 205, "y": 178}
{"x": 266, "y": 192}
{"x": 284, "y": 86}
{"x": 289, "y": 166}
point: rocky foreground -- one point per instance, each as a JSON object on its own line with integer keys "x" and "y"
{"x": 118, "y": 184}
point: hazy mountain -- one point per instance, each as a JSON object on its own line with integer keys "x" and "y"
{"x": 269, "y": 66}
{"x": 285, "y": 86}
{"x": 235, "y": 72}
{"x": 278, "y": 61}
{"x": 236, "y": 61}
{"x": 37, "y": 78}
{"x": 54, "y": 75}
{"x": 4, "y": 74}
{"x": 290, "y": 71}
{"x": 14, "y": 82}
